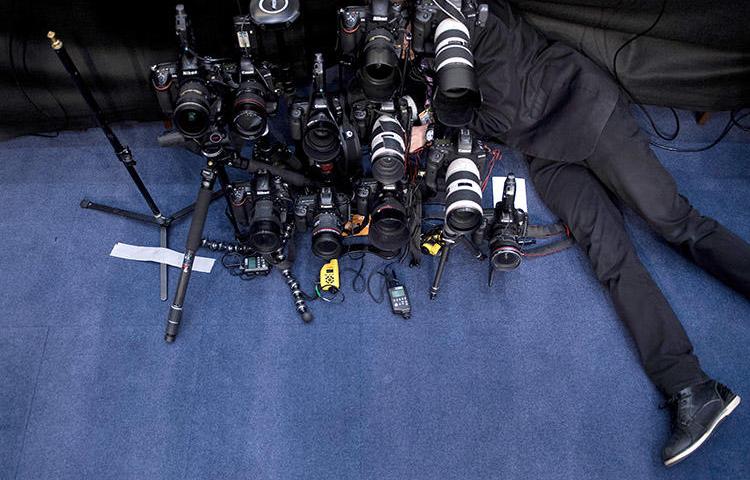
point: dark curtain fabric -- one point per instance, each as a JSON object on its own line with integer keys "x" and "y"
{"x": 697, "y": 56}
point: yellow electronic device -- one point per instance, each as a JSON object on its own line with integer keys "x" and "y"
{"x": 329, "y": 276}
{"x": 432, "y": 243}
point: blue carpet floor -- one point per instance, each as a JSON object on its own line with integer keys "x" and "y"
{"x": 534, "y": 378}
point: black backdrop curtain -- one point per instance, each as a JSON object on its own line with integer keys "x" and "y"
{"x": 697, "y": 56}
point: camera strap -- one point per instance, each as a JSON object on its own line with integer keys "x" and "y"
{"x": 548, "y": 231}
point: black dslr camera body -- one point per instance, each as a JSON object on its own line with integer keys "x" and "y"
{"x": 326, "y": 213}
{"x": 505, "y": 228}
{"x": 320, "y": 127}
{"x": 204, "y": 95}
{"x": 261, "y": 209}
{"x": 371, "y": 40}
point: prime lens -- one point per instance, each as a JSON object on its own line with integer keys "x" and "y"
{"x": 326, "y": 235}
{"x": 505, "y": 253}
{"x": 250, "y": 119}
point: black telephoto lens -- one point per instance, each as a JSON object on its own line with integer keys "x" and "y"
{"x": 250, "y": 118}
{"x": 387, "y": 150}
{"x": 389, "y": 225}
{"x": 379, "y": 72}
{"x": 191, "y": 113}
{"x": 264, "y": 235}
{"x": 463, "y": 196}
{"x": 326, "y": 235}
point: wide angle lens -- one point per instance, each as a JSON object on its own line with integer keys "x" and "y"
{"x": 191, "y": 113}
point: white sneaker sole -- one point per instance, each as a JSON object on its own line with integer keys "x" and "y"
{"x": 724, "y": 414}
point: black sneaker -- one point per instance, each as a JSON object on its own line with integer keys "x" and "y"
{"x": 696, "y": 412}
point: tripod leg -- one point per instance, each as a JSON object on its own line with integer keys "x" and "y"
{"x": 193, "y": 244}
{"x": 163, "y": 275}
{"x": 441, "y": 268}
{"x": 473, "y": 248}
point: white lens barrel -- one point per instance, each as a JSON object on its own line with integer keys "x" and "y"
{"x": 463, "y": 196}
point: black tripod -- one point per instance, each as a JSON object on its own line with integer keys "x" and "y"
{"x": 217, "y": 158}
{"x": 126, "y": 157}
{"x": 450, "y": 239}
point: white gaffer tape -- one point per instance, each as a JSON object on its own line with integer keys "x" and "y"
{"x": 160, "y": 255}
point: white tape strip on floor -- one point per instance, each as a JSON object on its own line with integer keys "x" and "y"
{"x": 159, "y": 255}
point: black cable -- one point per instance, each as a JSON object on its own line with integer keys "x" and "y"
{"x": 732, "y": 122}
{"x": 634, "y": 38}
{"x": 358, "y": 276}
{"x": 66, "y": 123}
{"x": 14, "y": 74}
{"x": 735, "y": 121}
{"x": 667, "y": 137}
{"x": 384, "y": 273}
{"x": 379, "y": 299}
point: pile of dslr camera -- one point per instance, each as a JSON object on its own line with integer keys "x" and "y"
{"x": 394, "y": 61}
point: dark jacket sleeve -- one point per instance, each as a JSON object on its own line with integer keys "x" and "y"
{"x": 541, "y": 97}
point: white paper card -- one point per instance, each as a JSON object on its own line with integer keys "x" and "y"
{"x": 497, "y": 192}
{"x": 160, "y": 255}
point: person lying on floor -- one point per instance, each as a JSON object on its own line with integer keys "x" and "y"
{"x": 585, "y": 150}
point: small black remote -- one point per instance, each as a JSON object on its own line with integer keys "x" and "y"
{"x": 399, "y": 297}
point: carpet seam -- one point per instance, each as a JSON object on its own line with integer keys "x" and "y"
{"x": 31, "y": 404}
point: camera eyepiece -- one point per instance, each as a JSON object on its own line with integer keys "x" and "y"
{"x": 192, "y": 109}
{"x": 387, "y": 150}
{"x": 463, "y": 197}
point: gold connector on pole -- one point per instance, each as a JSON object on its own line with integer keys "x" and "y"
{"x": 56, "y": 42}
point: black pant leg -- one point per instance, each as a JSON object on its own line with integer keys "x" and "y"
{"x": 581, "y": 201}
{"x": 625, "y": 163}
